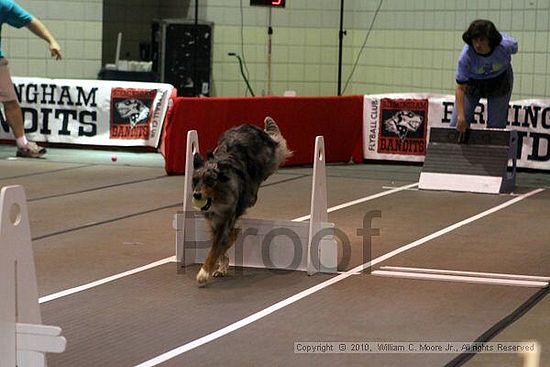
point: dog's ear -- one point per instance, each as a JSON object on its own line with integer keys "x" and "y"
{"x": 198, "y": 162}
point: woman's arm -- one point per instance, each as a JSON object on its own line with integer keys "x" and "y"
{"x": 461, "y": 124}
{"x": 38, "y": 28}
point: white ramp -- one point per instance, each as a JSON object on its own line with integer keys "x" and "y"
{"x": 263, "y": 243}
{"x": 23, "y": 340}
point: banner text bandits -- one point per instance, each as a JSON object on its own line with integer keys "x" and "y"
{"x": 530, "y": 119}
{"x": 56, "y": 95}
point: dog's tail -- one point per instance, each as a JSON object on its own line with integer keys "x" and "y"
{"x": 282, "y": 152}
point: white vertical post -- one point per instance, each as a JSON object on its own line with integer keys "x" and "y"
{"x": 23, "y": 340}
{"x": 186, "y": 256}
{"x": 15, "y": 232}
{"x": 19, "y": 281}
{"x": 318, "y": 203}
{"x": 7, "y": 284}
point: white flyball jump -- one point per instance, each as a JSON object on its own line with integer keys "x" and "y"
{"x": 23, "y": 339}
{"x": 263, "y": 243}
{"x": 484, "y": 163}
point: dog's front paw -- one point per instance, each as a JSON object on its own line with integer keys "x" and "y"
{"x": 223, "y": 267}
{"x": 202, "y": 277}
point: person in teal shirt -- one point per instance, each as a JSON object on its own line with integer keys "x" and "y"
{"x": 14, "y": 15}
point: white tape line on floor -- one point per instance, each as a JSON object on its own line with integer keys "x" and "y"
{"x": 362, "y": 200}
{"x": 84, "y": 287}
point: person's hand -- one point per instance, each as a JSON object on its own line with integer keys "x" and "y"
{"x": 461, "y": 127}
{"x": 461, "y": 124}
{"x": 55, "y": 50}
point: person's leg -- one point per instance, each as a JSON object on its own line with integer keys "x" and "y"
{"x": 497, "y": 111}
{"x": 470, "y": 103}
{"x": 14, "y": 118}
{"x": 497, "y": 107}
{"x": 8, "y": 97}
{"x": 14, "y": 115}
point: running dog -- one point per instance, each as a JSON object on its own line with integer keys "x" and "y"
{"x": 227, "y": 183}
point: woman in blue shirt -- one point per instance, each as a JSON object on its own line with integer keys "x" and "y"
{"x": 484, "y": 70}
{"x": 11, "y": 13}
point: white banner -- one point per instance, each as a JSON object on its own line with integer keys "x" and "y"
{"x": 91, "y": 112}
{"x": 396, "y": 126}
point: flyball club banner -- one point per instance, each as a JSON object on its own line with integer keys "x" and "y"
{"x": 91, "y": 112}
{"x": 396, "y": 126}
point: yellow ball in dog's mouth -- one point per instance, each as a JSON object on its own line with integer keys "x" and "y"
{"x": 199, "y": 204}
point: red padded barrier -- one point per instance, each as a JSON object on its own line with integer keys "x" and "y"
{"x": 301, "y": 119}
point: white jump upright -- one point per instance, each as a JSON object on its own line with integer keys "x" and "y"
{"x": 263, "y": 243}
{"x": 23, "y": 339}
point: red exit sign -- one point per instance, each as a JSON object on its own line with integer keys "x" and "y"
{"x": 273, "y": 3}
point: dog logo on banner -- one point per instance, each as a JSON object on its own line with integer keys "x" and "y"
{"x": 403, "y": 126}
{"x": 403, "y": 122}
{"x": 131, "y": 113}
{"x": 134, "y": 110}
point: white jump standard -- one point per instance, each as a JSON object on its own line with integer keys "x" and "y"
{"x": 263, "y": 243}
{"x": 23, "y": 339}
{"x": 484, "y": 163}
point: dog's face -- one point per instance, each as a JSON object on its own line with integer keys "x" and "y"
{"x": 209, "y": 183}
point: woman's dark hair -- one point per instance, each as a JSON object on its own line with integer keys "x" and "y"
{"x": 485, "y": 28}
